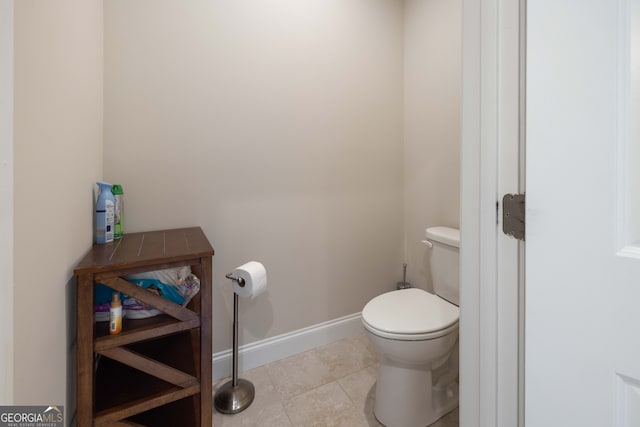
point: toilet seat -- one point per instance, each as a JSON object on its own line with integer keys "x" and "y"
{"x": 410, "y": 315}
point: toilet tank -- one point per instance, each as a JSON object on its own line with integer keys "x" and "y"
{"x": 445, "y": 262}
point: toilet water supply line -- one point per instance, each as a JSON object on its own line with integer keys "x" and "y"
{"x": 404, "y": 284}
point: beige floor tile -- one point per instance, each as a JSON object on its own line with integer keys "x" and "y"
{"x": 360, "y": 385}
{"x": 342, "y": 358}
{"x": 325, "y": 406}
{"x": 364, "y": 345}
{"x": 265, "y": 404}
{"x": 361, "y": 389}
{"x": 272, "y": 415}
{"x": 298, "y": 374}
{"x": 302, "y": 390}
{"x": 369, "y": 416}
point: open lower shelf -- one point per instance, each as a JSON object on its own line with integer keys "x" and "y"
{"x": 175, "y": 414}
{"x": 123, "y": 391}
{"x": 144, "y": 404}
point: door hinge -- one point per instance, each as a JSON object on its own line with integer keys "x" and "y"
{"x": 513, "y": 207}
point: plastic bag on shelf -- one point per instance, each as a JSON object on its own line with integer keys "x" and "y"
{"x": 178, "y": 285}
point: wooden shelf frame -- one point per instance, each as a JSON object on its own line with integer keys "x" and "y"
{"x": 108, "y": 264}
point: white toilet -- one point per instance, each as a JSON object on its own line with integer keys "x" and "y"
{"x": 416, "y": 335}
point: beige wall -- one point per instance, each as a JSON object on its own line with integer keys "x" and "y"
{"x": 6, "y": 206}
{"x": 58, "y": 157}
{"x": 432, "y": 96}
{"x": 276, "y": 126}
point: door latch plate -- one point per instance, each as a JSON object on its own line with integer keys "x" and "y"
{"x": 513, "y": 221}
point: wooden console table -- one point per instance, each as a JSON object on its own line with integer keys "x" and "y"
{"x": 157, "y": 371}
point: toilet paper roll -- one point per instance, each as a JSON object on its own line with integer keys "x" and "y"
{"x": 255, "y": 279}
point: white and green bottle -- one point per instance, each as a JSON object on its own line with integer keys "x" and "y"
{"x": 104, "y": 213}
{"x": 118, "y": 221}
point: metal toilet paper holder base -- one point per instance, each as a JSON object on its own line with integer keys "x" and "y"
{"x": 238, "y": 394}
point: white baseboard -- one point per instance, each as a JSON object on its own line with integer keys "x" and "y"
{"x": 279, "y": 347}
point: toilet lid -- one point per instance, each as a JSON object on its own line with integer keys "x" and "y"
{"x": 410, "y": 311}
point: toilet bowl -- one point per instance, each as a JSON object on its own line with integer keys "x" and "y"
{"x": 416, "y": 336}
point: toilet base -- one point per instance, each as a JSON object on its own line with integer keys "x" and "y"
{"x": 421, "y": 403}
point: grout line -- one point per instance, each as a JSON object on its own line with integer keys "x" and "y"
{"x": 284, "y": 408}
{"x": 347, "y": 394}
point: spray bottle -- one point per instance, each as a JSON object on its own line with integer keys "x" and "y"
{"x": 104, "y": 213}
{"x": 118, "y": 222}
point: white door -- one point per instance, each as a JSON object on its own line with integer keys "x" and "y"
{"x": 582, "y": 356}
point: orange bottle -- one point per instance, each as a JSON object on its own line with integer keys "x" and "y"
{"x": 115, "y": 314}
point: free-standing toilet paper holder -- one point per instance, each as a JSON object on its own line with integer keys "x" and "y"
{"x": 236, "y": 395}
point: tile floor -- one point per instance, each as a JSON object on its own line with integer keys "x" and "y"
{"x": 333, "y": 385}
